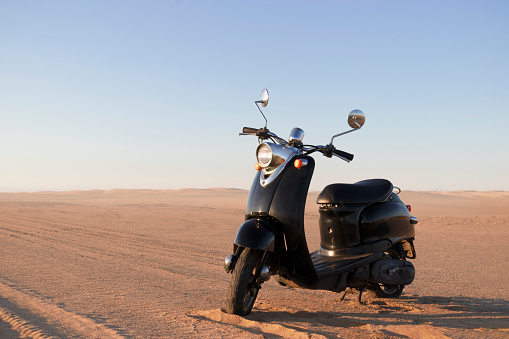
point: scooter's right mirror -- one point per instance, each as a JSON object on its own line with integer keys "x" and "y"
{"x": 265, "y": 98}
{"x": 356, "y": 118}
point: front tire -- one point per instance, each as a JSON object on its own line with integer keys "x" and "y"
{"x": 243, "y": 288}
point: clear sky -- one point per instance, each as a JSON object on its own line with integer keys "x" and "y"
{"x": 152, "y": 94}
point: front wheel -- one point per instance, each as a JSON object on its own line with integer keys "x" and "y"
{"x": 244, "y": 288}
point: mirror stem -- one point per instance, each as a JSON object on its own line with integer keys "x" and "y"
{"x": 337, "y": 135}
{"x": 256, "y": 103}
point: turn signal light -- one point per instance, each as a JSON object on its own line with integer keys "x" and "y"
{"x": 297, "y": 163}
{"x": 258, "y": 167}
{"x": 409, "y": 208}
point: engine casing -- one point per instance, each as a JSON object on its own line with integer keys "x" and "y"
{"x": 392, "y": 272}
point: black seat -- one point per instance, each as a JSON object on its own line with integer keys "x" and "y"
{"x": 360, "y": 193}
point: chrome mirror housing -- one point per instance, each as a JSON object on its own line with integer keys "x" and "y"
{"x": 296, "y": 136}
{"x": 264, "y": 98}
{"x": 356, "y": 118}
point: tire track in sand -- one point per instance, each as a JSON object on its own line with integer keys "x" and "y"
{"x": 53, "y": 321}
{"x": 20, "y": 327}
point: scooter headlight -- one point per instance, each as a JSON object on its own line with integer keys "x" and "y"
{"x": 264, "y": 155}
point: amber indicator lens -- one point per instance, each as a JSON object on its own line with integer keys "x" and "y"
{"x": 258, "y": 167}
{"x": 297, "y": 163}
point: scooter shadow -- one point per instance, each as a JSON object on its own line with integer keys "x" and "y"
{"x": 438, "y": 311}
{"x": 444, "y": 314}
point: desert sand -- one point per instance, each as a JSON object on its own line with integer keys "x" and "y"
{"x": 148, "y": 264}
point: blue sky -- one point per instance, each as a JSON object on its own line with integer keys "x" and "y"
{"x": 131, "y": 94}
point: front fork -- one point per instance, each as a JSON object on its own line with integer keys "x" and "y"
{"x": 262, "y": 271}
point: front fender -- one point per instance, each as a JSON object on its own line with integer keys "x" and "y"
{"x": 258, "y": 234}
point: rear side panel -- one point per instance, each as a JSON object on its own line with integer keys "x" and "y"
{"x": 339, "y": 227}
{"x": 386, "y": 220}
{"x": 344, "y": 229}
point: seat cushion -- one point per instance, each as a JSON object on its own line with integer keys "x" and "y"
{"x": 360, "y": 193}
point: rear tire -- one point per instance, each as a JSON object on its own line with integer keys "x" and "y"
{"x": 387, "y": 291}
{"x": 243, "y": 288}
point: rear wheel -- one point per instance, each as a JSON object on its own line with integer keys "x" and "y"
{"x": 244, "y": 288}
{"x": 387, "y": 291}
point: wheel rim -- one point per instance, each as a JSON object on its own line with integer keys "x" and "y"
{"x": 250, "y": 296}
{"x": 389, "y": 289}
{"x": 251, "y": 290}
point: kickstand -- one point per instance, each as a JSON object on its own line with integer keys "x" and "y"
{"x": 360, "y": 294}
{"x": 349, "y": 290}
{"x": 344, "y": 294}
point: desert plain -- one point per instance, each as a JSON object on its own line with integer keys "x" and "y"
{"x": 149, "y": 264}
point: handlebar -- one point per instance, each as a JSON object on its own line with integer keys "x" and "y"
{"x": 263, "y": 133}
{"x": 342, "y": 154}
{"x": 328, "y": 150}
{"x": 249, "y": 130}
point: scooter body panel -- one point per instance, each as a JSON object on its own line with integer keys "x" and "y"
{"x": 386, "y": 220}
{"x": 343, "y": 229}
{"x": 284, "y": 200}
{"x": 260, "y": 198}
{"x": 339, "y": 227}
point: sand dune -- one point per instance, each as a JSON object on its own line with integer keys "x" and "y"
{"x": 148, "y": 264}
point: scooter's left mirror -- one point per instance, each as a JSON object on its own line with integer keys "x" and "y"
{"x": 264, "y": 98}
{"x": 356, "y": 118}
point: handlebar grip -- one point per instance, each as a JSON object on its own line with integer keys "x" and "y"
{"x": 249, "y": 130}
{"x": 342, "y": 154}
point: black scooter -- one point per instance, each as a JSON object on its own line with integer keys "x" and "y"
{"x": 366, "y": 231}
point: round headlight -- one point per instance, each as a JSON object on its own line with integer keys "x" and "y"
{"x": 264, "y": 155}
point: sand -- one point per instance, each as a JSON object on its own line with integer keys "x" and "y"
{"x": 148, "y": 264}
